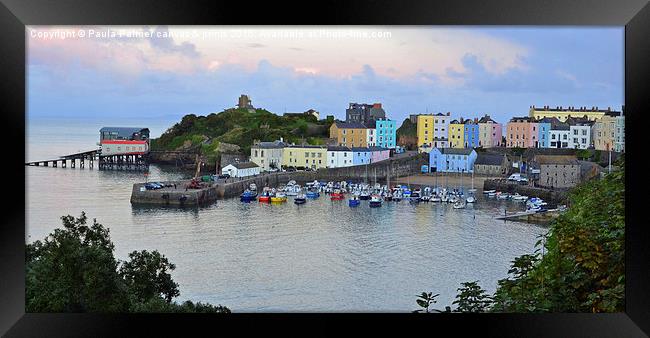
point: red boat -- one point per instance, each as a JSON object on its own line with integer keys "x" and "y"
{"x": 265, "y": 196}
{"x": 337, "y": 195}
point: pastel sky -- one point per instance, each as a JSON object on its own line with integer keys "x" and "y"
{"x": 468, "y": 71}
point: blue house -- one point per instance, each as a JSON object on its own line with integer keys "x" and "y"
{"x": 386, "y": 133}
{"x": 471, "y": 134}
{"x": 361, "y": 155}
{"x": 452, "y": 160}
{"x": 544, "y": 133}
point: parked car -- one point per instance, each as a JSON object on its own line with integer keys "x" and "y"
{"x": 224, "y": 176}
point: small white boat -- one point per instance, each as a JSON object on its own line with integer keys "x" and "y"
{"x": 459, "y": 205}
{"x": 489, "y": 191}
{"x": 470, "y": 199}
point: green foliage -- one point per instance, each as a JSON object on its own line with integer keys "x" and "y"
{"x": 146, "y": 276}
{"x": 582, "y": 269}
{"x": 472, "y": 298}
{"x": 578, "y": 265}
{"x": 74, "y": 270}
{"x": 407, "y": 129}
{"x": 241, "y": 127}
{"x": 425, "y": 300}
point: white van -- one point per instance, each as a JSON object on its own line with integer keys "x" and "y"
{"x": 517, "y": 177}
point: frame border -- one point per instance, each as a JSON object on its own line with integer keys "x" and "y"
{"x": 634, "y": 14}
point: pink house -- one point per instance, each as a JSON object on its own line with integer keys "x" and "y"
{"x": 379, "y": 154}
{"x": 522, "y": 132}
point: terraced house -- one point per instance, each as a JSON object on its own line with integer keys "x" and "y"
{"x": 489, "y": 132}
{"x": 457, "y": 134}
{"x": 452, "y": 160}
{"x": 352, "y": 134}
{"x": 268, "y": 155}
{"x": 305, "y": 156}
{"x": 471, "y": 133}
{"x": 339, "y": 156}
{"x": 579, "y": 132}
{"x": 563, "y": 113}
{"x": 604, "y": 131}
{"x": 522, "y": 132}
{"x": 385, "y": 133}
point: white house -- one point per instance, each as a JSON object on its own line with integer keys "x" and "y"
{"x": 371, "y": 137}
{"x": 268, "y": 155}
{"x": 242, "y": 169}
{"x": 338, "y": 156}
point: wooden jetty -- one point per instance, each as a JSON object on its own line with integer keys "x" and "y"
{"x": 133, "y": 162}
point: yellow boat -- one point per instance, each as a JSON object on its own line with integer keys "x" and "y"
{"x": 279, "y": 198}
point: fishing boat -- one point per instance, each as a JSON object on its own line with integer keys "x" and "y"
{"x": 375, "y": 201}
{"x": 248, "y": 196}
{"x": 337, "y": 195}
{"x": 300, "y": 199}
{"x": 364, "y": 196}
{"x": 265, "y": 197}
{"x": 459, "y": 205}
{"x": 388, "y": 196}
{"x": 312, "y": 194}
{"x": 435, "y": 198}
{"x": 354, "y": 201}
{"x": 279, "y": 197}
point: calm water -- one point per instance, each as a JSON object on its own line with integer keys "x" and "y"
{"x": 321, "y": 256}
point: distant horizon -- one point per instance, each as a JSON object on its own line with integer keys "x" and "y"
{"x": 467, "y": 71}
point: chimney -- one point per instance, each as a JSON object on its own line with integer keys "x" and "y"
{"x": 448, "y": 114}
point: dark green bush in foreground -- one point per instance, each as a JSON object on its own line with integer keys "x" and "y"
{"x": 74, "y": 270}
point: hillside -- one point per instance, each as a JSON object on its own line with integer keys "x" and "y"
{"x": 407, "y": 134}
{"x": 234, "y": 130}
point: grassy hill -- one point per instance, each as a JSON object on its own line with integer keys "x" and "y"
{"x": 234, "y": 130}
{"x": 407, "y": 134}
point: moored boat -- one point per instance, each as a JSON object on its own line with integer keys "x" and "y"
{"x": 375, "y": 201}
{"x": 279, "y": 197}
{"x": 354, "y": 201}
{"x": 300, "y": 199}
{"x": 337, "y": 195}
{"x": 248, "y": 196}
{"x": 265, "y": 196}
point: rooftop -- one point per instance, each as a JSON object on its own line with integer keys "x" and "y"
{"x": 338, "y": 148}
{"x": 244, "y": 165}
{"x": 350, "y": 125}
{"x": 557, "y": 159}
{"x": 456, "y": 151}
{"x": 489, "y": 159}
{"x": 270, "y": 145}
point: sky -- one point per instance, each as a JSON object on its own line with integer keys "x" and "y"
{"x": 154, "y": 73}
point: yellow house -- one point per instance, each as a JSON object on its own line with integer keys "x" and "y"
{"x": 425, "y": 129}
{"x": 562, "y": 113}
{"x": 603, "y": 133}
{"x": 305, "y": 156}
{"x": 350, "y": 135}
{"x": 456, "y": 134}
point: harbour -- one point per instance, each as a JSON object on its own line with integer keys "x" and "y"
{"x": 286, "y": 257}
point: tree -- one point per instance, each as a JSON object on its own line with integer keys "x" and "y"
{"x": 146, "y": 276}
{"x": 73, "y": 270}
{"x": 472, "y": 298}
